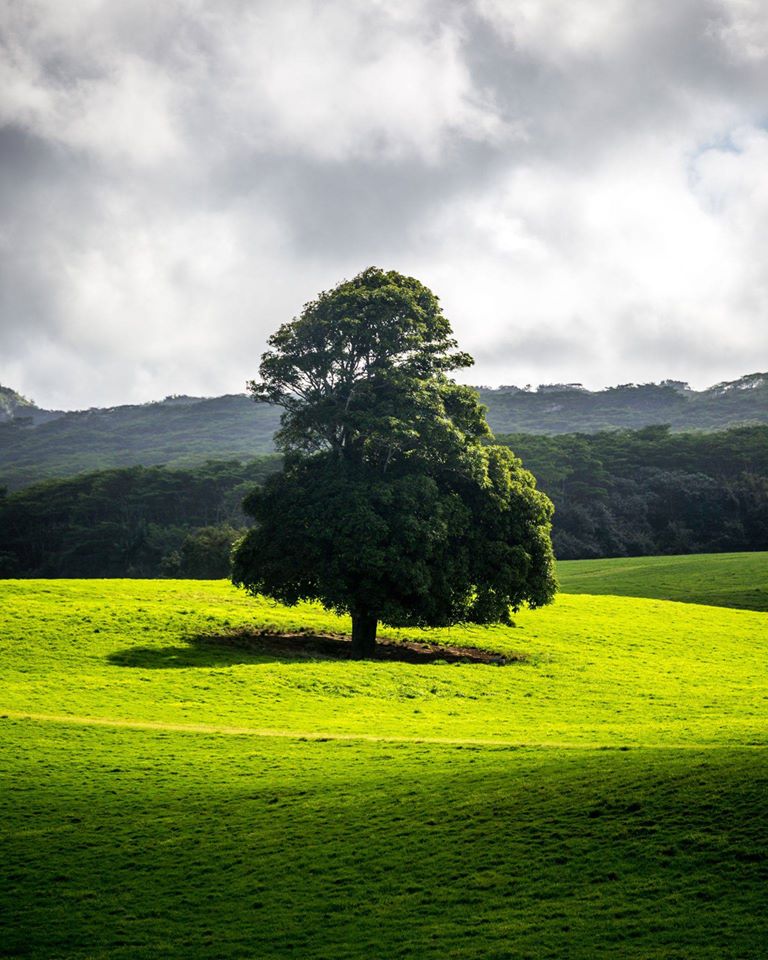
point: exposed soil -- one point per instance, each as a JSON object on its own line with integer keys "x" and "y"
{"x": 339, "y": 647}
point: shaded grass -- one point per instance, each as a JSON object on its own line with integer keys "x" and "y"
{"x": 720, "y": 579}
{"x": 287, "y": 647}
{"x": 123, "y": 844}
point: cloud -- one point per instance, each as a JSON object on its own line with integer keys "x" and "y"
{"x": 582, "y": 184}
{"x": 553, "y": 29}
{"x": 335, "y": 87}
{"x": 744, "y": 29}
{"x": 614, "y": 274}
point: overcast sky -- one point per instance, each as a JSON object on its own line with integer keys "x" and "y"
{"x": 584, "y": 184}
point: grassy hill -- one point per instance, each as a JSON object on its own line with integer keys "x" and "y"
{"x": 36, "y": 444}
{"x": 724, "y": 580}
{"x": 569, "y": 408}
{"x": 178, "y": 433}
{"x": 174, "y": 793}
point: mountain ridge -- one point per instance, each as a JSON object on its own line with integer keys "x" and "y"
{"x": 183, "y": 430}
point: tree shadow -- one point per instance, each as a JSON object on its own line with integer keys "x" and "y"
{"x": 247, "y": 646}
{"x": 171, "y": 658}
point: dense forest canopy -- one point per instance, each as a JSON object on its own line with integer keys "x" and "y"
{"x": 621, "y": 493}
{"x": 130, "y": 522}
{"x": 650, "y": 491}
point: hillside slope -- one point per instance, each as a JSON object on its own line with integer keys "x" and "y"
{"x": 175, "y": 432}
{"x": 36, "y": 444}
{"x": 724, "y": 580}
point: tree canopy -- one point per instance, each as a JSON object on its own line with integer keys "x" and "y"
{"x": 346, "y": 366}
{"x": 393, "y": 505}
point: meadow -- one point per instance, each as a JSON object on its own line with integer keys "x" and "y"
{"x": 169, "y": 793}
{"x": 722, "y": 579}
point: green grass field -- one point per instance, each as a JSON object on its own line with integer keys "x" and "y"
{"x": 723, "y": 579}
{"x": 168, "y": 796}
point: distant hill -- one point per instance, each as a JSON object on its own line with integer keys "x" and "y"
{"x": 183, "y": 431}
{"x": 14, "y": 407}
{"x": 569, "y": 408}
{"x": 178, "y": 431}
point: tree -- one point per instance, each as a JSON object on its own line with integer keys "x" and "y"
{"x": 205, "y": 554}
{"x": 393, "y": 505}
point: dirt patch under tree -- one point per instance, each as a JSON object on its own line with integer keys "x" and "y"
{"x": 339, "y": 647}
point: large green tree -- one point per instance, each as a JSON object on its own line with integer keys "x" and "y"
{"x": 394, "y": 505}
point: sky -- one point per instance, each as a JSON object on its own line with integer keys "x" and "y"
{"x": 584, "y": 185}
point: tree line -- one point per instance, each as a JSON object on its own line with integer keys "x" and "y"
{"x": 650, "y": 491}
{"x": 129, "y": 522}
{"x": 620, "y": 493}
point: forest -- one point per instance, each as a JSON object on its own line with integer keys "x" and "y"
{"x": 650, "y": 491}
{"x": 129, "y": 522}
{"x": 616, "y": 493}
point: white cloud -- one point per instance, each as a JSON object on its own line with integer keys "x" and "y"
{"x": 65, "y": 81}
{"x": 744, "y": 28}
{"x": 557, "y": 28}
{"x": 730, "y": 181}
{"x": 582, "y": 183}
{"x": 302, "y": 78}
{"x": 618, "y": 259}
{"x": 314, "y": 80}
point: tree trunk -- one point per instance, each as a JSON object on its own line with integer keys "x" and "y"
{"x": 364, "y": 635}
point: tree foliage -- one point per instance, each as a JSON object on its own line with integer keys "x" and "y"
{"x": 349, "y": 366}
{"x": 413, "y": 548}
{"x": 392, "y": 505}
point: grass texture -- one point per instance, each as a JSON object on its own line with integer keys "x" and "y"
{"x": 168, "y": 795}
{"x": 723, "y": 579}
